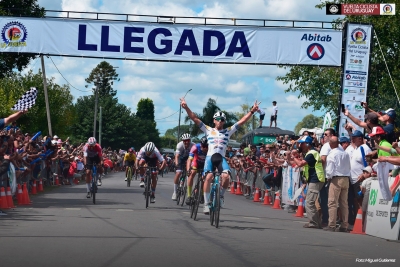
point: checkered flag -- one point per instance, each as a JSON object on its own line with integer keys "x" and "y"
{"x": 26, "y": 101}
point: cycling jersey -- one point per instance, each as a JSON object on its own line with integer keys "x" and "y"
{"x": 182, "y": 151}
{"x": 129, "y": 157}
{"x": 155, "y": 154}
{"x": 92, "y": 152}
{"x": 198, "y": 157}
{"x": 218, "y": 140}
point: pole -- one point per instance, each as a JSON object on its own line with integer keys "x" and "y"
{"x": 46, "y": 98}
{"x": 101, "y": 121}
{"x": 95, "y": 109}
{"x": 179, "y": 123}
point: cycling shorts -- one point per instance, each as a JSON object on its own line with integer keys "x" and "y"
{"x": 197, "y": 165}
{"x": 181, "y": 164}
{"x": 151, "y": 162}
{"x": 130, "y": 163}
{"x": 216, "y": 161}
{"x": 92, "y": 160}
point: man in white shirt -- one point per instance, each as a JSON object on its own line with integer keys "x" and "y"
{"x": 274, "y": 114}
{"x": 357, "y": 163}
{"x": 337, "y": 172}
{"x": 262, "y": 115}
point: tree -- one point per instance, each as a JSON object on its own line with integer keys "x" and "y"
{"x": 174, "y": 131}
{"x": 309, "y": 121}
{"x": 247, "y": 126}
{"x": 17, "y": 8}
{"x": 103, "y": 75}
{"x": 145, "y": 109}
{"x": 321, "y": 85}
{"x": 207, "y": 117}
{"x": 145, "y": 122}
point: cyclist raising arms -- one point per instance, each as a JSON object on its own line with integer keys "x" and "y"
{"x": 129, "y": 160}
{"x": 149, "y": 154}
{"x": 218, "y": 138}
{"x": 92, "y": 154}
{"x": 181, "y": 156}
{"x": 197, "y": 157}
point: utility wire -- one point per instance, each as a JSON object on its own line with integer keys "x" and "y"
{"x": 167, "y": 116}
{"x": 66, "y": 79}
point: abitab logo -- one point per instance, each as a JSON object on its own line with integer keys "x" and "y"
{"x": 316, "y": 38}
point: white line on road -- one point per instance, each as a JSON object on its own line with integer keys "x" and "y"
{"x": 253, "y": 218}
{"x": 124, "y": 210}
{"x": 73, "y": 208}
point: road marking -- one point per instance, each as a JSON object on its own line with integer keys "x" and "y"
{"x": 253, "y": 218}
{"x": 73, "y": 208}
{"x": 300, "y": 221}
{"x": 185, "y": 212}
{"x": 124, "y": 210}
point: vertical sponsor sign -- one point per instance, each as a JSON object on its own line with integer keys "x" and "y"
{"x": 383, "y": 218}
{"x": 357, "y": 49}
{"x": 290, "y": 183}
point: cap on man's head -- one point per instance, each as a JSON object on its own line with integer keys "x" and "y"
{"x": 357, "y": 133}
{"x": 344, "y": 139}
{"x": 377, "y": 131}
{"x": 305, "y": 139}
{"x": 372, "y": 117}
{"x": 368, "y": 169}
{"x": 76, "y": 158}
{"x": 55, "y": 137}
{"x": 390, "y": 112}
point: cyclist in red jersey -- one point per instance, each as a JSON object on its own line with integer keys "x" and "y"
{"x": 92, "y": 155}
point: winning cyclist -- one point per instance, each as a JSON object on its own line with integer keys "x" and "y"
{"x": 129, "y": 160}
{"x": 181, "y": 156}
{"x": 218, "y": 138}
{"x": 197, "y": 156}
{"x": 150, "y": 155}
{"x": 92, "y": 154}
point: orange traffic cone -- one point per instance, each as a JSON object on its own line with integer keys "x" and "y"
{"x": 10, "y": 201}
{"x": 25, "y": 196}
{"x": 277, "y": 202}
{"x": 266, "y": 198}
{"x": 357, "y": 229}
{"x": 76, "y": 181}
{"x": 238, "y": 189}
{"x": 34, "y": 191}
{"x": 56, "y": 181}
{"x": 3, "y": 198}
{"x": 256, "y": 196}
{"x": 300, "y": 209}
{"x": 40, "y": 189}
{"x": 19, "y": 195}
{"x": 233, "y": 188}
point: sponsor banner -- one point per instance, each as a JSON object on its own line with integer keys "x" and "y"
{"x": 355, "y": 73}
{"x": 290, "y": 183}
{"x": 171, "y": 42}
{"x": 360, "y": 9}
{"x": 264, "y": 139}
{"x": 327, "y": 121}
{"x": 383, "y": 216}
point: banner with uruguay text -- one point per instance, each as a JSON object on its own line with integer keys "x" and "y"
{"x": 171, "y": 42}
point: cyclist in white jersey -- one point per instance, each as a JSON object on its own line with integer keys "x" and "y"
{"x": 218, "y": 138}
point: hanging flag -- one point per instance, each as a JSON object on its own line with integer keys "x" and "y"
{"x": 26, "y": 101}
{"x": 327, "y": 121}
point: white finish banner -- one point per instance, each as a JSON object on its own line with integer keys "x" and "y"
{"x": 383, "y": 216}
{"x": 171, "y": 42}
{"x": 356, "y": 67}
{"x": 290, "y": 183}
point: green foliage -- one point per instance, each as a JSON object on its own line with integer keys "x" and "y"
{"x": 249, "y": 125}
{"x": 16, "y": 8}
{"x": 309, "y": 121}
{"x": 103, "y": 75}
{"x": 167, "y": 142}
{"x": 174, "y": 131}
{"x": 145, "y": 109}
{"x": 321, "y": 85}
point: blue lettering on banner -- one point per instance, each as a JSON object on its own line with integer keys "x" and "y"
{"x": 105, "y": 37}
{"x": 187, "y": 35}
{"x": 151, "y": 40}
{"x": 243, "y": 48}
{"x": 82, "y": 45}
{"x": 129, "y": 39}
{"x": 207, "y": 43}
{"x": 316, "y": 38}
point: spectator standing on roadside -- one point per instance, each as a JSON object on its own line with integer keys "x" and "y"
{"x": 262, "y": 115}
{"x": 371, "y": 120}
{"x": 314, "y": 174}
{"x": 274, "y": 114}
{"x": 337, "y": 172}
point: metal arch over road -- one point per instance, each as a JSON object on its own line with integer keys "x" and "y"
{"x": 177, "y": 39}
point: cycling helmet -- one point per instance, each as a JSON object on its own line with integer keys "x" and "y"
{"x": 204, "y": 141}
{"x": 149, "y": 147}
{"x": 92, "y": 141}
{"x": 186, "y": 136}
{"x": 219, "y": 114}
{"x": 133, "y": 149}
{"x": 130, "y": 150}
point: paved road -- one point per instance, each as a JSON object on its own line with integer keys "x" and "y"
{"x": 63, "y": 228}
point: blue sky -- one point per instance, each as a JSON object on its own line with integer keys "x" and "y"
{"x": 164, "y": 82}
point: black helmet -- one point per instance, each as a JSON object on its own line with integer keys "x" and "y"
{"x": 204, "y": 141}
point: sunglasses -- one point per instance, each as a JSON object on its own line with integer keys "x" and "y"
{"x": 219, "y": 119}
{"x": 326, "y": 134}
{"x": 267, "y": 151}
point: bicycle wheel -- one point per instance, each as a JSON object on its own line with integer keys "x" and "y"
{"x": 148, "y": 190}
{"x": 136, "y": 173}
{"x": 129, "y": 178}
{"x": 198, "y": 200}
{"x": 184, "y": 192}
{"x": 212, "y": 200}
{"x": 178, "y": 194}
{"x": 217, "y": 205}
{"x": 94, "y": 188}
{"x": 194, "y": 198}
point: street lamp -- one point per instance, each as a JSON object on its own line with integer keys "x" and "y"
{"x": 180, "y": 111}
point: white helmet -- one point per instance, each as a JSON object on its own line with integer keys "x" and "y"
{"x": 186, "y": 136}
{"x": 219, "y": 114}
{"x": 92, "y": 141}
{"x": 149, "y": 147}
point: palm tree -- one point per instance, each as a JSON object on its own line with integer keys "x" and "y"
{"x": 207, "y": 117}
